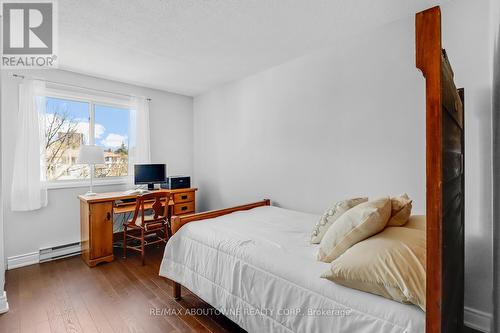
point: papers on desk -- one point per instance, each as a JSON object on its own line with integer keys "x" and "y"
{"x": 135, "y": 191}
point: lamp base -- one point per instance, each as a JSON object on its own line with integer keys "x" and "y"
{"x": 90, "y": 194}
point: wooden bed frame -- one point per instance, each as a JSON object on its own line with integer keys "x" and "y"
{"x": 445, "y": 182}
{"x": 177, "y": 222}
{"x": 445, "y": 179}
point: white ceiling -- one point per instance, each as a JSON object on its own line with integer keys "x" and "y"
{"x": 191, "y": 46}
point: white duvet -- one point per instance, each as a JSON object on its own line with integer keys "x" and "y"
{"x": 258, "y": 268}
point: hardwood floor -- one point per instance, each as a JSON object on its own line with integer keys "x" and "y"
{"x": 67, "y": 296}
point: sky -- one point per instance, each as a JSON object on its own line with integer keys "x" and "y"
{"x": 111, "y": 123}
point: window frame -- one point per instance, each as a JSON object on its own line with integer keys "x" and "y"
{"x": 91, "y": 100}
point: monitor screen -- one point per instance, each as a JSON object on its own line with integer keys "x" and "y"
{"x": 150, "y": 173}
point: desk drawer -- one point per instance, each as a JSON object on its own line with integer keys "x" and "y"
{"x": 183, "y": 197}
{"x": 184, "y": 208}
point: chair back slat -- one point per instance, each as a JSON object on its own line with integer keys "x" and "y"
{"x": 142, "y": 226}
{"x": 160, "y": 200}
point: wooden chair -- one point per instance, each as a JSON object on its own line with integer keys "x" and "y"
{"x": 142, "y": 225}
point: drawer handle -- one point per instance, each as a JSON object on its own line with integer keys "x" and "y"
{"x": 108, "y": 216}
{"x": 184, "y": 207}
{"x": 184, "y": 197}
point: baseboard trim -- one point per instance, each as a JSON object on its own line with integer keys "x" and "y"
{"x": 59, "y": 252}
{"x": 23, "y": 260}
{"x": 477, "y": 319}
{"x": 43, "y": 255}
{"x": 4, "y": 305}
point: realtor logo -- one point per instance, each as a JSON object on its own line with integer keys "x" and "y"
{"x": 28, "y": 34}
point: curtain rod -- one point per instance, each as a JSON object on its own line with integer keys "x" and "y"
{"x": 81, "y": 87}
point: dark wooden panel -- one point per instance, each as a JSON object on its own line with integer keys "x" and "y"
{"x": 453, "y": 275}
{"x": 452, "y": 134}
{"x": 445, "y": 178}
{"x": 451, "y": 190}
{"x": 450, "y": 98}
{"x": 452, "y": 204}
{"x": 461, "y": 251}
{"x": 453, "y": 230}
{"x": 452, "y": 165}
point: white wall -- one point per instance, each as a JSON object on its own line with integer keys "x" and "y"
{"x": 317, "y": 129}
{"x": 351, "y": 121}
{"x": 171, "y": 118}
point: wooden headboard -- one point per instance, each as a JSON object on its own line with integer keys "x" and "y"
{"x": 445, "y": 179}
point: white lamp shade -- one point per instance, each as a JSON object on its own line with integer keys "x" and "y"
{"x": 90, "y": 155}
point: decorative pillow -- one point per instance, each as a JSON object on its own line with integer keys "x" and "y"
{"x": 332, "y": 214}
{"x": 390, "y": 264}
{"x": 358, "y": 223}
{"x": 416, "y": 222}
{"x": 400, "y": 210}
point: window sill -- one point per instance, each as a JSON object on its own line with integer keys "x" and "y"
{"x": 85, "y": 183}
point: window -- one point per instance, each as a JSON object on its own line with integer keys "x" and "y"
{"x": 66, "y": 128}
{"x": 111, "y": 133}
{"x": 71, "y": 122}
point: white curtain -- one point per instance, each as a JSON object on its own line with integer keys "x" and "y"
{"x": 29, "y": 191}
{"x": 139, "y": 150}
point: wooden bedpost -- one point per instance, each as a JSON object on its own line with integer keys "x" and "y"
{"x": 445, "y": 179}
{"x": 428, "y": 53}
{"x": 176, "y": 291}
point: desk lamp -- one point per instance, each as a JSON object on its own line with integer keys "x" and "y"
{"x": 91, "y": 155}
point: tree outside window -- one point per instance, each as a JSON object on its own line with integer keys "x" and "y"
{"x": 70, "y": 123}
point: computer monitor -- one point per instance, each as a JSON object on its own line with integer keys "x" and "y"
{"x": 150, "y": 174}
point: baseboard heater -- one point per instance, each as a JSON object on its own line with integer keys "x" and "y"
{"x": 58, "y": 252}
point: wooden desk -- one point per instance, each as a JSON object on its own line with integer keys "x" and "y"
{"x": 96, "y": 219}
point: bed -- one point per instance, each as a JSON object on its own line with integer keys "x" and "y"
{"x": 256, "y": 257}
{"x": 260, "y": 262}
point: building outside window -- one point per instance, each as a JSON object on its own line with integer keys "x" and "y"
{"x": 71, "y": 121}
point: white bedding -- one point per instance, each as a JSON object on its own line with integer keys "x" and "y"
{"x": 258, "y": 268}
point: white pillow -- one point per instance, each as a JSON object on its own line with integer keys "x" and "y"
{"x": 331, "y": 214}
{"x": 358, "y": 223}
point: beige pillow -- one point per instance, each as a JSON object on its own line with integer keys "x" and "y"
{"x": 400, "y": 210}
{"x": 416, "y": 222}
{"x": 358, "y": 223}
{"x": 332, "y": 214}
{"x": 390, "y": 264}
